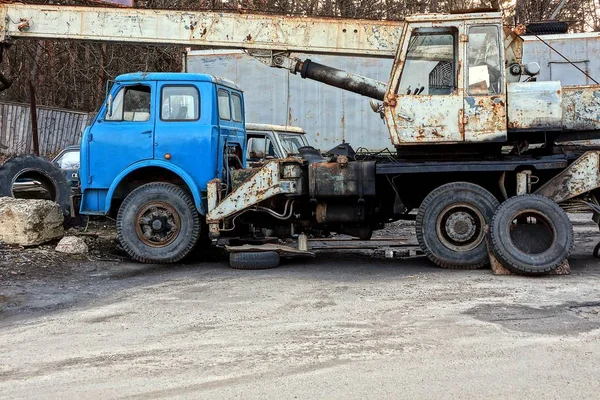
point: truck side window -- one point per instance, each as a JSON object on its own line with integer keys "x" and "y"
{"x": 180, "y": 103}
{"x": 224, "y": 110}
{"x": 485, "y": 74}
{"x": 132, "y": 103}
{"x": 236, "y": 107}
{"x": 430, "y": 62}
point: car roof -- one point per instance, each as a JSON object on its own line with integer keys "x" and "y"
{"x": 270, "y": 127}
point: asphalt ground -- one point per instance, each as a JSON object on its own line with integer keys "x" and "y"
{"x": 348, "y": 324}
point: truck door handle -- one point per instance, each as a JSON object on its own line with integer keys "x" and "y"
{"x": 147, "y": 132}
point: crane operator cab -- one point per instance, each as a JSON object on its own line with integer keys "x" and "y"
{"x": 448, "y": 81}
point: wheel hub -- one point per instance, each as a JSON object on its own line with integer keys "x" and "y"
{"x": 460, "y": 226}
{"x": 157, "y": 224}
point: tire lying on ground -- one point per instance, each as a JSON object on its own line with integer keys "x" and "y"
{"x": 33, "y": 168}
{"x": 451, "y": 222}
{"x": 254, "y": 260}
{"x": 531, "y": 235}
{"x": 158, "y": 223}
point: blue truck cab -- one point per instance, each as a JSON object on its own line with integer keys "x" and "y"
{"x": 167, "y": 133}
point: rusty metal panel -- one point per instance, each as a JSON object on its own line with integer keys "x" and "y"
{"x": 485, "y": 118}
{"x": 422, "y": 119}
{"x": 58, "y": 128}
{"x": 213, "y": 29}
{"x": 329, "y": 115}
{"x": 336, "y": 179}
{"x": 535, "y": 105}
{"x": 266, "y": 183}
{"x": 427, "y": 119}
{"x": 581, "y": 107}
{"x": 582, "y": 176}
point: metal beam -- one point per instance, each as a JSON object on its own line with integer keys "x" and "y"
{"x": 209, "y": 29}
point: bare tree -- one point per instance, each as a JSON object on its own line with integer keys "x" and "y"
{"x": 74, "y": 75}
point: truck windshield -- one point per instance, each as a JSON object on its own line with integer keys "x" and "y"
{"x": 292, "y": 142}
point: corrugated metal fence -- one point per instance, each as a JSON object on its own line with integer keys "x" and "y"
{"x": 58, "y": 128}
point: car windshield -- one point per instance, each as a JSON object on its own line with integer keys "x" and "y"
{"x": 69, "y": 160}
{"x": 292, "y": 142}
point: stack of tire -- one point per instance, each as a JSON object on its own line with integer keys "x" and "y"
{"x": 528, "y": 234}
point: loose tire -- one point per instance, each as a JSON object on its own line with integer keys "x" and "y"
{"x": 531, "y": 235}
{"x": 254, "y": 260}
{"x": 451, "y": 222}
{"x": 158, "y": 223}
{"x": 38, "y": 169}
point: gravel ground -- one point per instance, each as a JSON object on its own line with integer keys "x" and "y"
{"x": 342, "y": 325}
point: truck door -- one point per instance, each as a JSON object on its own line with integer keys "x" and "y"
{"x": 128, "y": 122}
{"x": 485, "y": 93}
{"x": 232, "y": 136}
{"x": 184, "y": 130}
{"x": 425, "y": 82}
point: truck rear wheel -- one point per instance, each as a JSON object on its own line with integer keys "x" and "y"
{"x": 531, "y": 235}
{"x": 158, "y": 223}
{"x": 451, "y": 222}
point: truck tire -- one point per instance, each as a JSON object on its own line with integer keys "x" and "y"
{"x": 39, "y": 169}
{"x": 531, "y": 248}
{"x": 451, "y": 222}
{"x": 254, "y": 260}
{"x": 158, "y": 223}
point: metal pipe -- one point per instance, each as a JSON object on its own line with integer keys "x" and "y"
{"x": 283, "y": 216}
{"x": 344, "y": 80}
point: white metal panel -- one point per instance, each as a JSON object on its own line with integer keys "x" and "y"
{"x": 582, "y": 49}
{"x": 329, "y": 115}
{"x": 534, "y": 105}
{"x": 212, "y": 29}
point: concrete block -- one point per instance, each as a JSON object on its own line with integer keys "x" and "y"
{"x": 29, "y": 222}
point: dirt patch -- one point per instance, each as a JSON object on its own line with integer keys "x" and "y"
{"x": 43, "y": 262}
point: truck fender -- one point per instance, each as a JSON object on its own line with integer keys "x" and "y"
{"x": 194, "y": 190}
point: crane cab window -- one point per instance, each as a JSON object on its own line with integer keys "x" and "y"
{"x": 430, "y": 67}
{"x": 180, "y": 103}
{"x": 224, "y": 107}
{"x": 484, "y": 71}
{"x": 132, "y": 103}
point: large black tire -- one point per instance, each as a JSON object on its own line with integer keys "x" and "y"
{"x": 158, "y": 223}
{"x": 39, "y": 169}
{"x": 531, "y": 249}
{"x": 451, "y": 222}
{"x": 254, "y": 260}
{"x": 546, "y": 28}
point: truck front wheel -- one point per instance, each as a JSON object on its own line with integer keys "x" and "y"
{"x": 158, "y": 223}
{"x": 451, "y": 222}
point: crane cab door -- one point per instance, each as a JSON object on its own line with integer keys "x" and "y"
{"x": 425, "y": 85}
{"x": 485, "y": 91}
